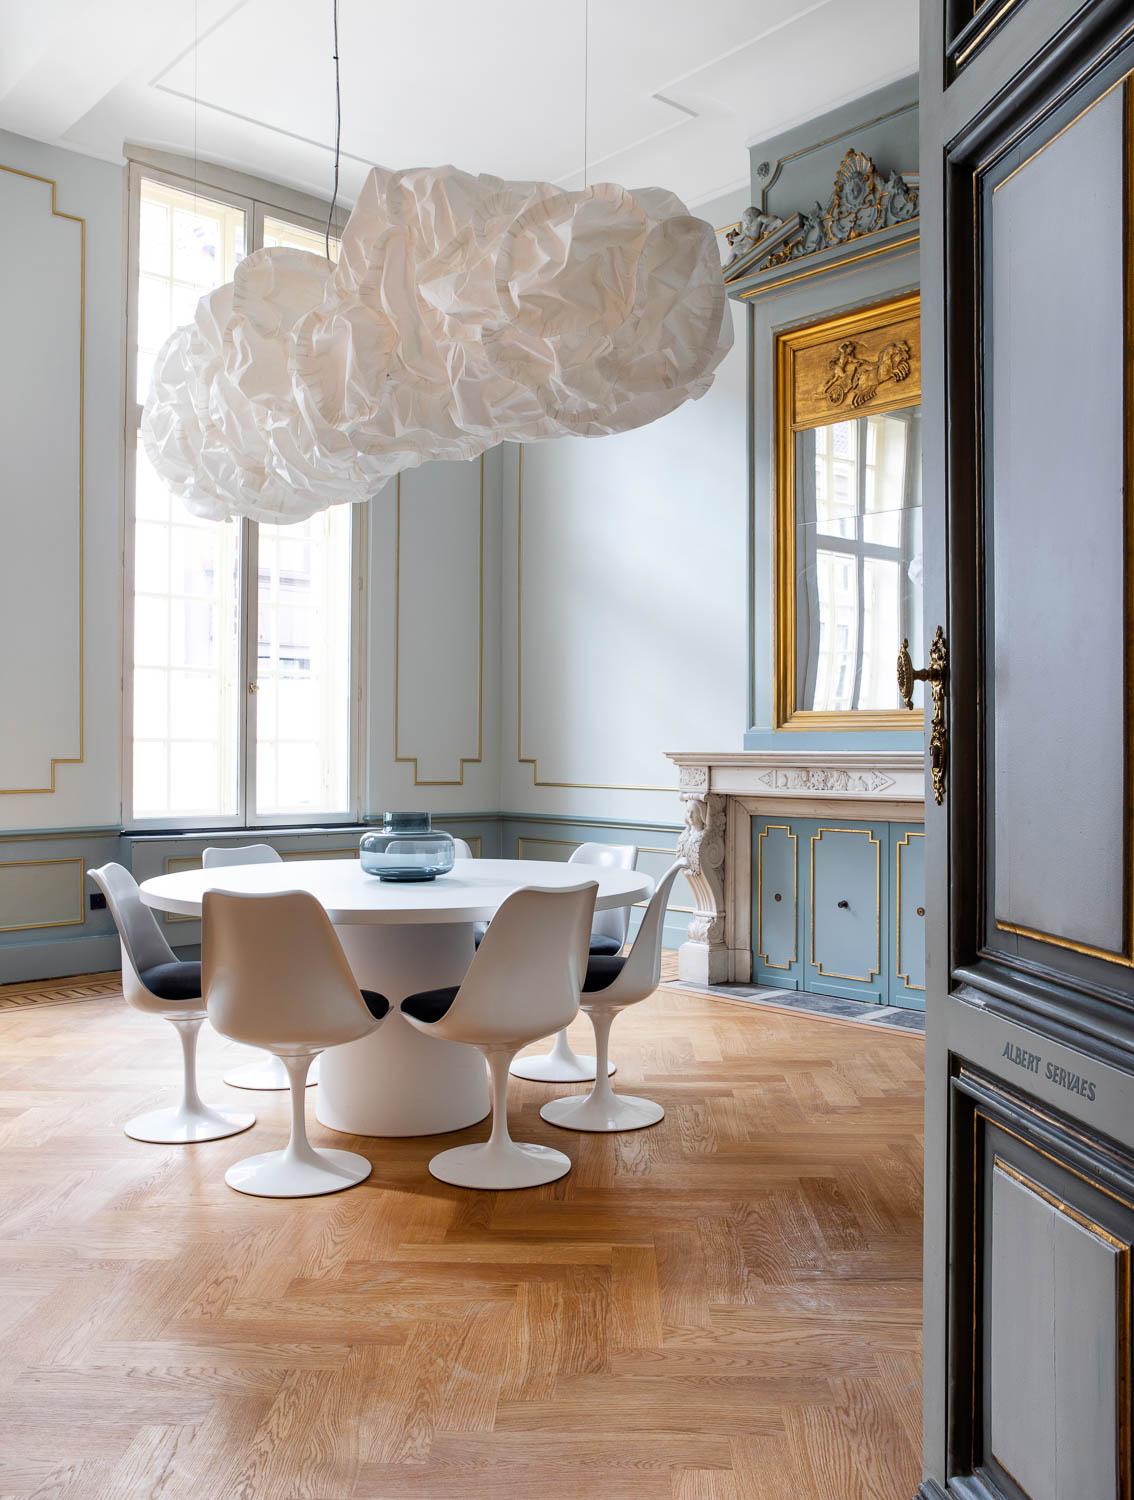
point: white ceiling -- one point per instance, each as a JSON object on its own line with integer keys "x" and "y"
{"x": 675, "y": 89}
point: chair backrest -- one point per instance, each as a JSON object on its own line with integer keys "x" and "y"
{"x": 461, "y": 849}
{"x": 642, "y": 970}
{"x": 143, "y": 945}
{"x": 274, "y": 973}
{"x": 525, "y": 979}
{"x": 248, "y": 854}
{"x": 614, "y": 923}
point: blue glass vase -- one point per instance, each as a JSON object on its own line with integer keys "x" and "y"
{"x": 406, "y": 849}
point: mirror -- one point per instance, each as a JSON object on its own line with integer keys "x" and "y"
{"x": 858, "y": 559}
{"x": 849, "y": 515}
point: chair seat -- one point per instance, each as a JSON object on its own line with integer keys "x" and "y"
{"x": 430, "y": 1005}
{"x": 602, "y": 971}
{"x": 376, "y": 1004}
{"x": 607, "y": 947}
{"x": 176, "y": 981}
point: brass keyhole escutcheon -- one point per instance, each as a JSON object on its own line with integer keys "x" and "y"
{"x": 936, "y": 674}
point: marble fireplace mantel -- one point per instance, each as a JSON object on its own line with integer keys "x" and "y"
{"x": 720, "y": 794}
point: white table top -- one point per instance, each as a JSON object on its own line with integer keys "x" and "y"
{"x": 473, "y": 890}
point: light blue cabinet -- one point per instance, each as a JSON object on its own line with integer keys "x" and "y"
{"x": 839, "y": 908}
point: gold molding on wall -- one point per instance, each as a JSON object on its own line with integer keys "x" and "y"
{"x": 464, "y": 760}
{"x": 68, "y": 760}
{"x": 531, "y": 760}
{"x": 771, "y": 286}
{"x": 876, "y": 318}
{"x": 903, "y": 843}
{"x": 10, "y": 864}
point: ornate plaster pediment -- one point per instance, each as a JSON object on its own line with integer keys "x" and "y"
{"x": 863, "y": 201}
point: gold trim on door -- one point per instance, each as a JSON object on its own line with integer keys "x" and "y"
{"x": 767, "y": 962}
{"x": 877, "y": 969}
{"x": 798, "y": 407}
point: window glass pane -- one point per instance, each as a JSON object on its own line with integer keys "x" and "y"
{"x": 187, "y": 245}
{"x": 303, "y": 666}
{"x": 187, "y": 697}
{"x": 186, "y": 659}
{"x": 295, "y": 237}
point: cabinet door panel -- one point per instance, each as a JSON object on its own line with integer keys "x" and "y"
{"x": 777, "y": 903}
{"x": 846, "y": 912}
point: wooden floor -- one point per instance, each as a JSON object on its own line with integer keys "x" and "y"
{"x": 725, "y": 1306}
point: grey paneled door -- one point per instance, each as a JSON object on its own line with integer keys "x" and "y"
{"x": 1028, "y": 401}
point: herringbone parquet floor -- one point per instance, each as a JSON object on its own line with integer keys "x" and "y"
{"x": 725, "y": 1307}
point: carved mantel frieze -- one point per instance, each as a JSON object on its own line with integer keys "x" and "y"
{"x": 719, "y": 795}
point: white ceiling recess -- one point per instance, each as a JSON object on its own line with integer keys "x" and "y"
{"x": 675, "y": 89}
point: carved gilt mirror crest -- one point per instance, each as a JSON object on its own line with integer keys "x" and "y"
{"x": 848, "y": 518}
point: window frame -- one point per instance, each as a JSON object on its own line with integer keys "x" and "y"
{"x": 257, "y": 200}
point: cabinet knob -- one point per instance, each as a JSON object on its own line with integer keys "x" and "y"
{"x": 921, "y": 911}
{"x": 778, "y": 897}
{"x": 843, "y": 905}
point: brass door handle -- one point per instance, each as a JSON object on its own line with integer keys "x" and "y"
{"x": 936, "y": 675}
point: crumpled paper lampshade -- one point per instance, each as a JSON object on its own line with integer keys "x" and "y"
{"x": 462, "y": 311}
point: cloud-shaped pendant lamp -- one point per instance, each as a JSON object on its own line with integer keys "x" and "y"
{"x": 462, "y": 311}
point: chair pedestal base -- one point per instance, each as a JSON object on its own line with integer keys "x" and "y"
{"x": 615, "y": 1112}
{"x": 181, "y": 1127}
{"x": 560, "y": 1065}
{"x": 266, "y": 1072}
{"x": 500, "y": 1165}
{"x": 281, "y": 1174}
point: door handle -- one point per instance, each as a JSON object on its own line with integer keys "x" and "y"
{"x": 936, "y": 674}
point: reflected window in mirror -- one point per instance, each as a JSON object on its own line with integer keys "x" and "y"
{"x": 858, "y": 559}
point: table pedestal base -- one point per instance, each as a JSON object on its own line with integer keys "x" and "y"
{"x": 397, "y": 1081}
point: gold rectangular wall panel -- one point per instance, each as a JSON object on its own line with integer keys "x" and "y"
{"x": 38, "y": 893}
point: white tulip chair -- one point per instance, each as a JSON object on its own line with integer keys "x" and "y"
{"x": 613, "y": 983}
{"x": 154, "y": 980}
{"x": 265, "y": 1072}
{"x": 523, "y": 983}
{"x": 275, "y": 976}
{"x": 608, "y": 937}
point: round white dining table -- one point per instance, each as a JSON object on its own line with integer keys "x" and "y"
{"x": 400, "y": 938}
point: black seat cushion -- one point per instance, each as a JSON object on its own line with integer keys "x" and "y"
{"x": 606, "y": 946}
{"x": 177, "y": 981}
{"x": 376, "y": 1004}
{"x": 430, "y": 1005}
{"x": 602, "y": 971}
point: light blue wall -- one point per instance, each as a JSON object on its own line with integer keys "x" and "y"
{"x": 801, "y": 166}
{"x": 79, "y": 940}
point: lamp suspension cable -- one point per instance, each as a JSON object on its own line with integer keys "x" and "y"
{"x": 586, "y": 81}
{"x": 338, "y": 127}
{"x": 196, "y": 94}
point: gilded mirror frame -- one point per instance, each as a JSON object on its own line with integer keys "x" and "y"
{"x": 804, "y": 359}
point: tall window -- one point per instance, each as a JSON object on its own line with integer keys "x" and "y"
{"x": 243, "y": 684}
